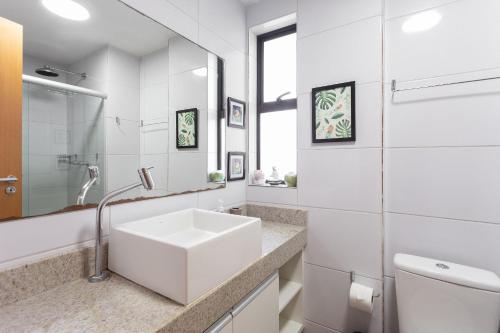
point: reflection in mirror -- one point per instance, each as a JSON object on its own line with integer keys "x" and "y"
{"x": 100, "y": 100}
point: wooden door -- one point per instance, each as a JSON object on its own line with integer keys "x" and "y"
{"x": 11, "y": 63}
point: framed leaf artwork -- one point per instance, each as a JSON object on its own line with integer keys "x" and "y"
{"x": 235, "y": 166}
{"x": 333, "y": 113}
{"x": 186, "y": 128}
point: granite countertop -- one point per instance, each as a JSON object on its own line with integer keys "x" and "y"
{"x": 119, "y": 305}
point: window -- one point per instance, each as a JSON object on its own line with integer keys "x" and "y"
{"x": 277, "y": 101}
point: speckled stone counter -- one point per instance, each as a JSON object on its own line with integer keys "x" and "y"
{"x": 119, "y": 305}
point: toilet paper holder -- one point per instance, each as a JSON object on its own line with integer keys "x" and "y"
{"x": 352, "y": 275}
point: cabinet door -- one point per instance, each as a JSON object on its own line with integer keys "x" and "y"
{"x": 259, "y": 312}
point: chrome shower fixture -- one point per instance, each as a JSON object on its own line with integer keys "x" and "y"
{"x": 53, "y": 72}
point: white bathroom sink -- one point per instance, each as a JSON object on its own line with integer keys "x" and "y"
{"x": 184, "y": 254}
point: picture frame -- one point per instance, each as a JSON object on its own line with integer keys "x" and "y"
{"x": 236, "y": 113}
{"x": 333, "y": 113}
{"x": 236, "y": 166}
{"x": 186, "y": 124}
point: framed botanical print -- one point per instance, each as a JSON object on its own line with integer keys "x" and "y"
{"x": 186, "y": 128}
{"x": 333, "y": 113}
{"x": 235, "y": 113}
{"x": 235, "y": 166}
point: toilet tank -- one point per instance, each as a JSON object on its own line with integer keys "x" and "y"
{"x": 443, "y": 297}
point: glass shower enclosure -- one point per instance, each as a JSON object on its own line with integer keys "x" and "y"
{"x": 63, "y": 135}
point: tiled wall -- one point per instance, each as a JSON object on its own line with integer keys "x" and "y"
{"x": 438, "y": 151}
{"x": 219, "y": 26}
{"x": 154, "y": 113}
{"x": 340, "y": 184}
{"x": 441, "y": 145}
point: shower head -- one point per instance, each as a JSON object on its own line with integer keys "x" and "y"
{"x": 52, "y": 72}
{"x": 47, "y": 71}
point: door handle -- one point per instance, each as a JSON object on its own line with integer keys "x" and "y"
{"x": 9, "y": 179}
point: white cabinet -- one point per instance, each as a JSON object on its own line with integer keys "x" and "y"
{"x": 275, "y": 306}
{"x": 259, "y": 311}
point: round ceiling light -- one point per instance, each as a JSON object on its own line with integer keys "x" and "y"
{"x": 68, "y": 9}
{"x": 421, "y": 21}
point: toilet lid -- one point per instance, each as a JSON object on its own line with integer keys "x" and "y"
{"x": 448, "y": 272}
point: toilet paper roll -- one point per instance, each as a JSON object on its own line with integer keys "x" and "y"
{"x": 361, "y": 297}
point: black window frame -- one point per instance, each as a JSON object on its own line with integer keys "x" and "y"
{"x": 278, "y": 105}
{"x": 221, "y": 113}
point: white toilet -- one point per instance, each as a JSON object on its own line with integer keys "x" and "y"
{"x": 440, "y": 297}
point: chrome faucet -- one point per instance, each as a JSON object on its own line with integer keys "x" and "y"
{"x": 94, "y": 174}
{"x": 148, "y": 183}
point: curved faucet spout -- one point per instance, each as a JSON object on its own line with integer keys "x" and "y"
{"x": 94, "y": 174}
{"x": 148, "y": 183}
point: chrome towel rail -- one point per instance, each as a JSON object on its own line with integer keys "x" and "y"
{"x": 395, "y": 89}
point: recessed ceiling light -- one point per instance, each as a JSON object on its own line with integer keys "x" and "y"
{"x": 421, "y": 21}
{"x": 68, "y": 9}
{"x": 202, "y": 71}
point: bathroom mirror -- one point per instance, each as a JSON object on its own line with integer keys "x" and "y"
{"x": 105, "y": 92}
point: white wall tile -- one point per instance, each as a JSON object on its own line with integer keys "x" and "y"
{"x": 189, "y": 7}
{"x": 169, "y": 15}
{"x": 349, "y": 179}
{"x": 319, "y": 61}
{"x": 21, "y": 238}
{"x": 148, "y": 208}
{"x": 122, "y": 171}
{"x": 155, "y": 139}
{"x": 391, "y": 324}
{"x": 154, "y": 68}
{"x": 266, "y": 11}
{"x": 460, "y": 115}
{"x": 395, "y": 8}
{"x": 226, "y": 18}
{"x": 235, "y": 70}
{"x": 181, "y": 91}
{"x": 326, "y": 301}
{"x": 346, "y": 241}
{"x": 232, "y": 195}
{"x": 123, "y": 101}
{"x": 481, "y": 51}
{"x": 276, "y": 195}
{"x": 236, "y": 139}
{"x": 467, "y": 243}
{"x": 154, "y": 102}
{"x": 184, "y": 171}
{"x": 368, "y": 120}
{"x": 124, "y": 68}
{"x": 211, "y": 41}
{"x": 185, "y": 56}
{"x": 460, "y": 183}
{"x": 320, "y": 15}
{"x": 123, "y": 138}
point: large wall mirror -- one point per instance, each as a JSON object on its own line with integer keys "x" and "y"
{"x": 106, "y": 95}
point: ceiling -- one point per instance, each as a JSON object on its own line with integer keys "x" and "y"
{"x": 61, "y": 41}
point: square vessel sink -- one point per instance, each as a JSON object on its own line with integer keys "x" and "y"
{"x": 184, "y": 254}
